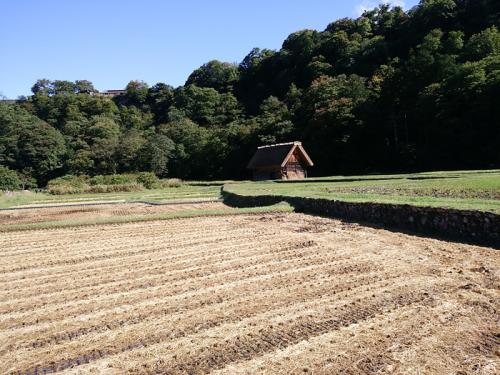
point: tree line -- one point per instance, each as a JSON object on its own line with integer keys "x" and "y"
{"x": 388, "y": 91}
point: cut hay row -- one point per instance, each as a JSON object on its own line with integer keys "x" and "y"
{"x": 151, "y": 290}
{"x": 276, "y": 293}
{"x": 122, "y": 247}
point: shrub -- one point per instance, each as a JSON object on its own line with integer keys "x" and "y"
{"x": 97, "y": 180}
{"x": 27, "y": 182}
{"x": 148, "y": 180}
{"x": 171, "y": 182}
{"x": 71, "y": 184}
{"x": 9, "y": 179}
{"x": 68, "y": 184}
{"x": 113, "y": 179}
{"x": 114, "y": 188}
{"x": 63, "y": 189}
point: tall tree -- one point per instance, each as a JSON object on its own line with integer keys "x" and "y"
{"x": 218, "y": 75}
{"x": 103, "y": 137}
{"x": 42, "y": 148}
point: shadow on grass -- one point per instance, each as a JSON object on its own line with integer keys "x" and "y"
{"x": 305, "y": 181}
{"x": 431, "y": 178}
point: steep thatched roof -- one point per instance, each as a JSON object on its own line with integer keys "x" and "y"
{"x": 277, "y": 155}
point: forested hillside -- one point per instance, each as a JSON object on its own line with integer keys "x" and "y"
{"x": 388, "y": 91}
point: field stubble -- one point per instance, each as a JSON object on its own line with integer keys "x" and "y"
{"x": 268, "y": 293}
{"x": 62, "y": 213}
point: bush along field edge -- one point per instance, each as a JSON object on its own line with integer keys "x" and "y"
{"x": 482, "y": 228}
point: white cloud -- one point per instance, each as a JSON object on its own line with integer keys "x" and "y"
{"x": 370, "y": 4}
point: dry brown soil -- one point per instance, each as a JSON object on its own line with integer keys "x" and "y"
{"x": 60, "y": 213}
{"x": 247, "y": 294}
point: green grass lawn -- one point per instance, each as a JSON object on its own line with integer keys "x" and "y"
{"x": 471, "y": 190}
{"x": 183, "y": 192}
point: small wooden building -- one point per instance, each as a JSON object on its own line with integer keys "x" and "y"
{"x": 286, "y": 161}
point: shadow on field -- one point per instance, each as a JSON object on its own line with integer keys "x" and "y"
{"x": 472, "y": 227}
{"x": 433, "y": 235}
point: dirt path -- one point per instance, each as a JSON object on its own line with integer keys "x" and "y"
{"x": 248, "y": 294}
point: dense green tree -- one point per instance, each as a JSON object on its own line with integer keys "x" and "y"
{"x": 274, "y": 121}
{"x": 301, "y": 45}
{"x": 27, "y": 179}
{"x": 81, "y": 160}
{"x": 84, "y": 87}
{"x": 254, "y": 58}
{"x": 483, "y": 44}
{"x": 9, "y": 179}
{"x": 132, "y": 143}
{"x": 332, "y": 104}
{"x": 58, "y": 87}
{"x": 41, "y": 87}
{"x": 206, "y": 106}
{"x": 160, "y": 98}
{"x": 156, "y": 154}
{"x": 188, "y": 159}
{"x": 252, "y": 87}
{"x": 136, "y": 94}
{"x": 104, "y": 138}
{"x": 62, "y": 87}
{"x": 132, "y": 117}
{"x": 59, "y": 108}
{"x": 42, "y": 148}
{"x": 12, "y": 119}
{"x": 218, "y": 75}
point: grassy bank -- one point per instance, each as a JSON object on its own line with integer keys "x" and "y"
{"x": 466, "y": 190}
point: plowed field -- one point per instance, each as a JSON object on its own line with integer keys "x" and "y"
{"x": 247, "y": 294}
{"x": 60, "y": 213}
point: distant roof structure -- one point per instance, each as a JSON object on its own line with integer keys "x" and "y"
{"x": 112, "y": 92}
{"x": 277, "y": 155}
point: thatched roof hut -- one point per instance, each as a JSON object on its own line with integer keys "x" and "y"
{"x": 280, "y": 161}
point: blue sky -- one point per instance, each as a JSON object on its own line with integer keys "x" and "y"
{"x": 111, "y": 42}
